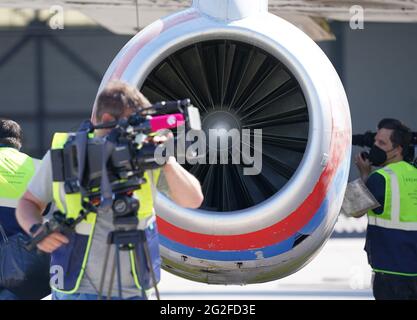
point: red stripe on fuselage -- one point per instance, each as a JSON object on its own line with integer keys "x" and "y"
{"x": 275, "y": 233}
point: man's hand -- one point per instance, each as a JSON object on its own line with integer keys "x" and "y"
{"x": 52, "y": 242}
{"x": 364, "y": 166}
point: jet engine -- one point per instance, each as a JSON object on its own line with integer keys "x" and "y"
{"x": 245, "y": 68}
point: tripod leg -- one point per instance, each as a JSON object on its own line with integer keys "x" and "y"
{"x": 148, "y": 262}
{"x": 103, "y": 273}
{"x": 113, "y": 271}
{"x": 119, "y": 275}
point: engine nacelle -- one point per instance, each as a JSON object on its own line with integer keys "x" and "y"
{"x": 238, "y": 62}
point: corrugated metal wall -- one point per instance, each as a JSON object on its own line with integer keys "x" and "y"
{"x": 49, "y": 79}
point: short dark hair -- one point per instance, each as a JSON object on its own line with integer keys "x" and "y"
{"x": 401, "y": 135}
{"x": 10, "y": 134}
{"x": 118, "y": 97}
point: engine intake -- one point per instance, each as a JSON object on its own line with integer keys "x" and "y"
{"x": 247, "y": 69}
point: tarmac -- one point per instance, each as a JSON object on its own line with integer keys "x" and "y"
{"x": 339, "y": 272}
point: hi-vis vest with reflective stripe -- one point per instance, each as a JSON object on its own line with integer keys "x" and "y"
{"x": 16, "y": 170}
{"x": 400, "y": 207}
{"x": 70, "y": 205}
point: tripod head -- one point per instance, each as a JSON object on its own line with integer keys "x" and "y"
{"x": 125, "y": 208}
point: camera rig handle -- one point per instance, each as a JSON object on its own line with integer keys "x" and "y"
{"x": 59, "y": 223}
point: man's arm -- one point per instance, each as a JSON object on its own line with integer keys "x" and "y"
{"x": 29, "y": 212}
{"x": 39, "y": 193}
{"x": 376, "y": 185}
{"x": 33, "y": 203}
{"x": 185, "y": 189}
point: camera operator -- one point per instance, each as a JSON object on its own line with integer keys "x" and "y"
{"x": 391, "y": 239}
{"x": 78, "y": 257}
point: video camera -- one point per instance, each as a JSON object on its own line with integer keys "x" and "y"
{"x": 106, "y": 170}
{"x": 368, "y": 138}
{"x": 125, "y": 153}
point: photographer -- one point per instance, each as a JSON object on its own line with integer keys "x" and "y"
{"x": 77, "y": 258}
{"x": 391, "y": 239}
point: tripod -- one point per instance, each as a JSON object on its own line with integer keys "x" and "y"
{"x": 126, "y": 237}
{"x": 125, "y": 240}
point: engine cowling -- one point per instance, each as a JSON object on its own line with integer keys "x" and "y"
{"x": 250, "y": 69}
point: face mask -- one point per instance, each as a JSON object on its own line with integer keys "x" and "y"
{"x": 377, "y": 156}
